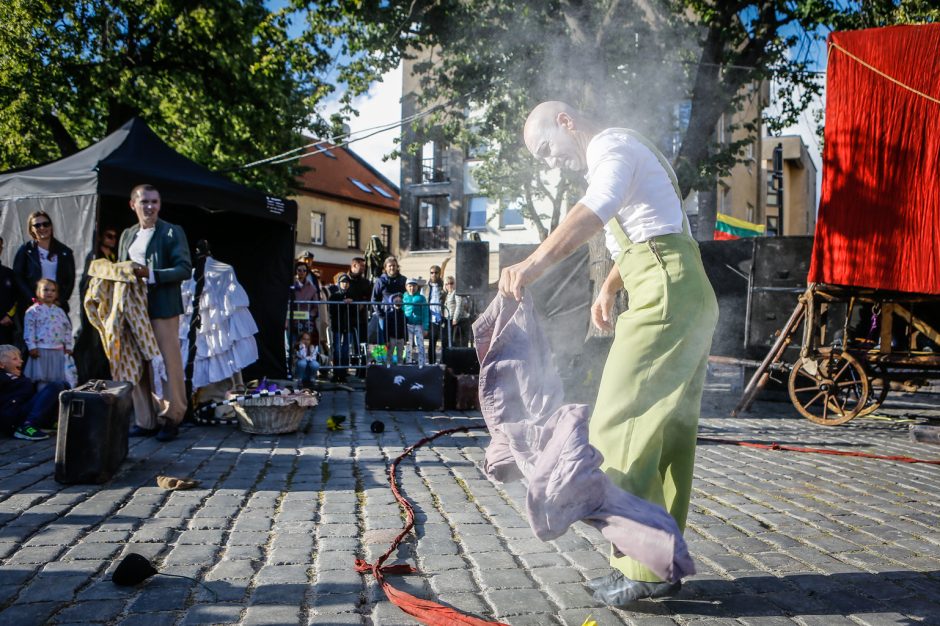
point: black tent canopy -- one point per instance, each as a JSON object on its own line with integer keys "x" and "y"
{"x": 250, "y": 230}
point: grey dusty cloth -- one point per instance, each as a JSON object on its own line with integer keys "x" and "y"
{"x": 536, "y": 436}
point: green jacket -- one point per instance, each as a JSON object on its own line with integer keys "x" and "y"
{"x": 169, "y": 263}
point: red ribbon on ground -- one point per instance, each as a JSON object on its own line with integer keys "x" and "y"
{"x": 425, "y": 611}
{"x": 777, "y": 446}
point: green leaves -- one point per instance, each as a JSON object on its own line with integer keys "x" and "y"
{"x": 223, "y": 82}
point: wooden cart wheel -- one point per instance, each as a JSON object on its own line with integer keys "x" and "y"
{"x": 829, "y": 390}
{"x": 878, "y": 387}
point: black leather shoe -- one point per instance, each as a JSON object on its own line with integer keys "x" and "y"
{"x": 140, "y": 431}
{"x": 618, "y": 590}
{"x": 169, "y": 432}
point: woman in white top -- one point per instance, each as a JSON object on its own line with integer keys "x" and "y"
{"x": 645, "y": 419}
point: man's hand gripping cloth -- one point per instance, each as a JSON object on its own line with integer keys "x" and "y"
{"x": 535, "y": 435}
{"x": 116, "y": 305}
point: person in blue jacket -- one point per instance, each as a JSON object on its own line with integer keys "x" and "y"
{"x": 416, "y": 319}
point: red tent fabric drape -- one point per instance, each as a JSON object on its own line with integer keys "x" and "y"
{"x": 879, "y": 214}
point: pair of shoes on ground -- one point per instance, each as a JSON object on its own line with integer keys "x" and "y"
{"x": 168, "y": 432}
{"x": 30, "y": 433}
{"x": 615, "y": 589}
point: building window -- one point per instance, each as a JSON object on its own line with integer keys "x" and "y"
{"x": 387, "y": 236}
{"x": 476, "y": 212}
{"x": 772, "y": 225}
{"x": 433, "y": 163}
{"x": 352, "y": 240}
{"x": 511, "y": 216}
{"x": 317, "y": 222}
{"x": 431, "y": 227}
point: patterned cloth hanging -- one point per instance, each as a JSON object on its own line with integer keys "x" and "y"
{"x": 116, "y": 305}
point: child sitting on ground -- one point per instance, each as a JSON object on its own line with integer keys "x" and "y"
{"x": 308, "y": 360}
{"x": 47, "y": 333}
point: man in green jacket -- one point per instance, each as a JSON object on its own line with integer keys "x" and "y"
{"x": 161, "y": 256}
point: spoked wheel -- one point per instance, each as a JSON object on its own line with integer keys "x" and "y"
{"x": 878, "y": 387}
{"x": 829, "y": 390}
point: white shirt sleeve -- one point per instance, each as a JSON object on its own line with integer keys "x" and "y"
{"x": 611, "y": 170}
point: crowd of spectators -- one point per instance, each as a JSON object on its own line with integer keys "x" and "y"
{"x": 410, "y": 320}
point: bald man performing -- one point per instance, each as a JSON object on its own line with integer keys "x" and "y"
{"x": 645, "y": 419}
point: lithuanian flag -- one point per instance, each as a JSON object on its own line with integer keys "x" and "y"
{"x": 727, "y": 227}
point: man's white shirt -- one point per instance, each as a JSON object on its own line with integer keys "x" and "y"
{"x": 626, "y": 181}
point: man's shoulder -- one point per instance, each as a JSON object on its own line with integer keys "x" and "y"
{"x": 168, "y": 228}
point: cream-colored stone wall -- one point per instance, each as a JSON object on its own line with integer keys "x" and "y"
{"x": 336, "y": 227}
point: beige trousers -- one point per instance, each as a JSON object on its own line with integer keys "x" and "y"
{"x": 149, "y": 411}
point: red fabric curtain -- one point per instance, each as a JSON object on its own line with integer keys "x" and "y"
{"x": 879, "y": 214}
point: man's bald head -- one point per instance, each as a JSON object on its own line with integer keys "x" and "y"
{"x": 559, "y": 133}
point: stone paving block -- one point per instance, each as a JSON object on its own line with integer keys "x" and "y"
{"x": 443, "y": 563}
{"x": 492, "y": 560}
{"x": 454, "y": 581}
{"x": 336, "y": 619}
{"x": 159, "y": 596}
{"x": 282, "y": 574}
{"x": 52, "y": 587}
{"x": 588, "y": 559}
{"x": 569, "y": 595}
{"x": 32, "y": 555}
{"x": 555, "y": 575}
{"x": 512, "y": 602}
{"x": 505, "y": 579}
{"x": 213, "y": 614}
{"x": 271, "y": 615}
{"x": 191, "y": 555}
{"x": 279, "y": 593}
{"x": 252, "y": 553}
{"x": 91, "y": 611}
{"x": 332, "y": 603}
{"x": 34, "y": 614}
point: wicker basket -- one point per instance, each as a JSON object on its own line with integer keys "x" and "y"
{"x": 270, "y": 415}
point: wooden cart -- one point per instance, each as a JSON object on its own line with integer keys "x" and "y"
{"x": 856, "y": 344}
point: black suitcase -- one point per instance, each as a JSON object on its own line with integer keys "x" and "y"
{"x": 405, "y": 387}
{"x": 93, "y": 422}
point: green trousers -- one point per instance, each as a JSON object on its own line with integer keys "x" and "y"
{"x": 645, "y": 420}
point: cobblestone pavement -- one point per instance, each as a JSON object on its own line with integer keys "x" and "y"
{"x": 778, "y": 537}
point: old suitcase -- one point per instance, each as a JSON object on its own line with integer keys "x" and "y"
{"x": 93, "y": 422}
{"x": 468, "y": 392}
{"x": 405, "y": 387}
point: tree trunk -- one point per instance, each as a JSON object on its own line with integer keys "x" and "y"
{"x": 60, "y": 135}
{"x": 707, "y": 214}
{"x": 599, "y": 264}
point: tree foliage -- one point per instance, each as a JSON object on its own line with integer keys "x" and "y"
{"x": 221, "y": 81}
{"x": 668, "y": 68}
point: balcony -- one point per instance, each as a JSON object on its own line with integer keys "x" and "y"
{"x": 434, "y": 170}
{"x": 431, "y": 238}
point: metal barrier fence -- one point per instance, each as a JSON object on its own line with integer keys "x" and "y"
{"x": 359, "y": 333}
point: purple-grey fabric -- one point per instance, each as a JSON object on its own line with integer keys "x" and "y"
{"x": 535, "y": 435}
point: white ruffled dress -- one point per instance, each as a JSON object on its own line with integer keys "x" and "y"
{"x": 225, "y": 343}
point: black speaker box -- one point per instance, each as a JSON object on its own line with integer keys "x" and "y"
{"x": 473, "y": 265}
{"x": 461, "y": 360}
{"x": 405, "y": 387}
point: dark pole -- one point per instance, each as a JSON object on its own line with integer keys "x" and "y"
{"x": 195, "y": 322}
{"x": 778, "y": 186}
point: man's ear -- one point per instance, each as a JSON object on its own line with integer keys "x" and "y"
{"x": 565, "y": 121}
